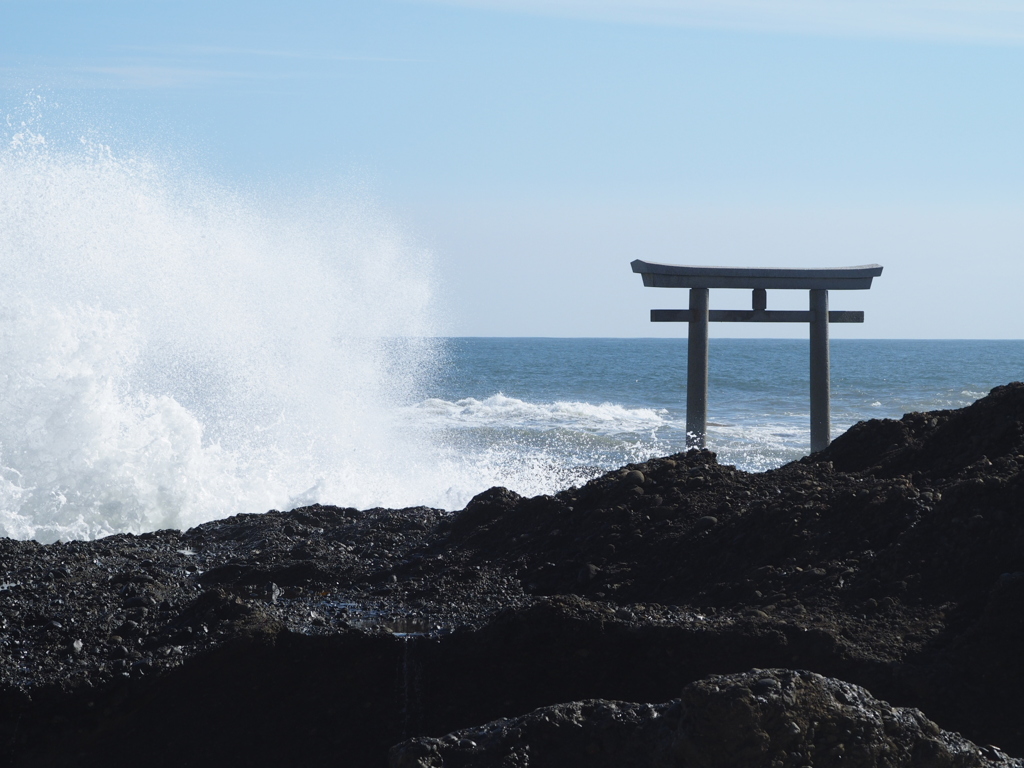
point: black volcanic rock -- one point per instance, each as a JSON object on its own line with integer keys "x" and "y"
{"x": 774, "y": 718}
{"x": 939, "y": 443}
{"x": 893, "y": 560}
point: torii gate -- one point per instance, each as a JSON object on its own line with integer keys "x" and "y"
{"x": 700, "y": 279}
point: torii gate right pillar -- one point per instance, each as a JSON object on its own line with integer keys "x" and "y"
{"x": 821, "y": 419}
{"x": 697, "y": 369}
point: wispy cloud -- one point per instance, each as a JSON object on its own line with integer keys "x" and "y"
{"x": 995, "y": 21}
{"x": 122, "y": 75}
{"x": 178, "y": 67}
{"x": 222, "y": 51}
{"x": 156, "y": 76}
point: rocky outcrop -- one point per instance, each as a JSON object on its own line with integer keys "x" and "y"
{"x": 774, "y": 718}
{"x": 891, "y": 561}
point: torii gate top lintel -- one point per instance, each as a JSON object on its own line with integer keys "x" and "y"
{"x": 686, "y": 276}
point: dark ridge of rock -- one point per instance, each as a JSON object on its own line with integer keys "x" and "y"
{"x": 893, "y": 561}
{"x": 803, "y": 532}
{"x": 939, "y": 443}
{"x": 765, "y": 718}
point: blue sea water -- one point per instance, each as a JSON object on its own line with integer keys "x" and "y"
{"x": 600, "y": 403}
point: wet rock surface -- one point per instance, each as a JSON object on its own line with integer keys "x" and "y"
{"x": 893, "y": 560}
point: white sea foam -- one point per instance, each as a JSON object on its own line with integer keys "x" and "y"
{"x": 534, "y": 447}
{"x": 757, "y": 447}
{"x": 173, "y": 353}
{"x": 500, "y": 410}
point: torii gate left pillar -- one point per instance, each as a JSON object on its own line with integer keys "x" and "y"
{"x": 701, "y": 279}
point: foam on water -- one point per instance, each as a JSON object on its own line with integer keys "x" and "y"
{"x": 499, "y": 410}
{"x": 535, "y": 447}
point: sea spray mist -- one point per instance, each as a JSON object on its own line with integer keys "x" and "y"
{"x": 175, "y": 351}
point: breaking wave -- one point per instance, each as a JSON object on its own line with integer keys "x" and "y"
{"x": 499, "y": 410}
{"x": 174, "y": 351}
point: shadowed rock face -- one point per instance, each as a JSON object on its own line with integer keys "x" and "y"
{"x": 759, "y": 719}
{"x": 892, "y": 560}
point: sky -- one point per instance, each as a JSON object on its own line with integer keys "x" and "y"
{"x": 536, "y": 147}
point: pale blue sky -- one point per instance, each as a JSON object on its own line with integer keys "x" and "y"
{"x": 540, "y": 146}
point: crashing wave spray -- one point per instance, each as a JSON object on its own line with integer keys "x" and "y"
{"x": 171, "y": 353}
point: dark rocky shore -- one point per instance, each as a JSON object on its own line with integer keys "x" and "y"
{"x": 861, "y": 607}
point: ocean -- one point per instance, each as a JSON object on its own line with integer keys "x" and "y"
{"x": 607, "y": 401}
{"x": 173, "y": 351}
{"x": 556, "y": 410}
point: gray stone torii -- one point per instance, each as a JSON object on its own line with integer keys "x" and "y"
{"x": 700, "y": 279}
